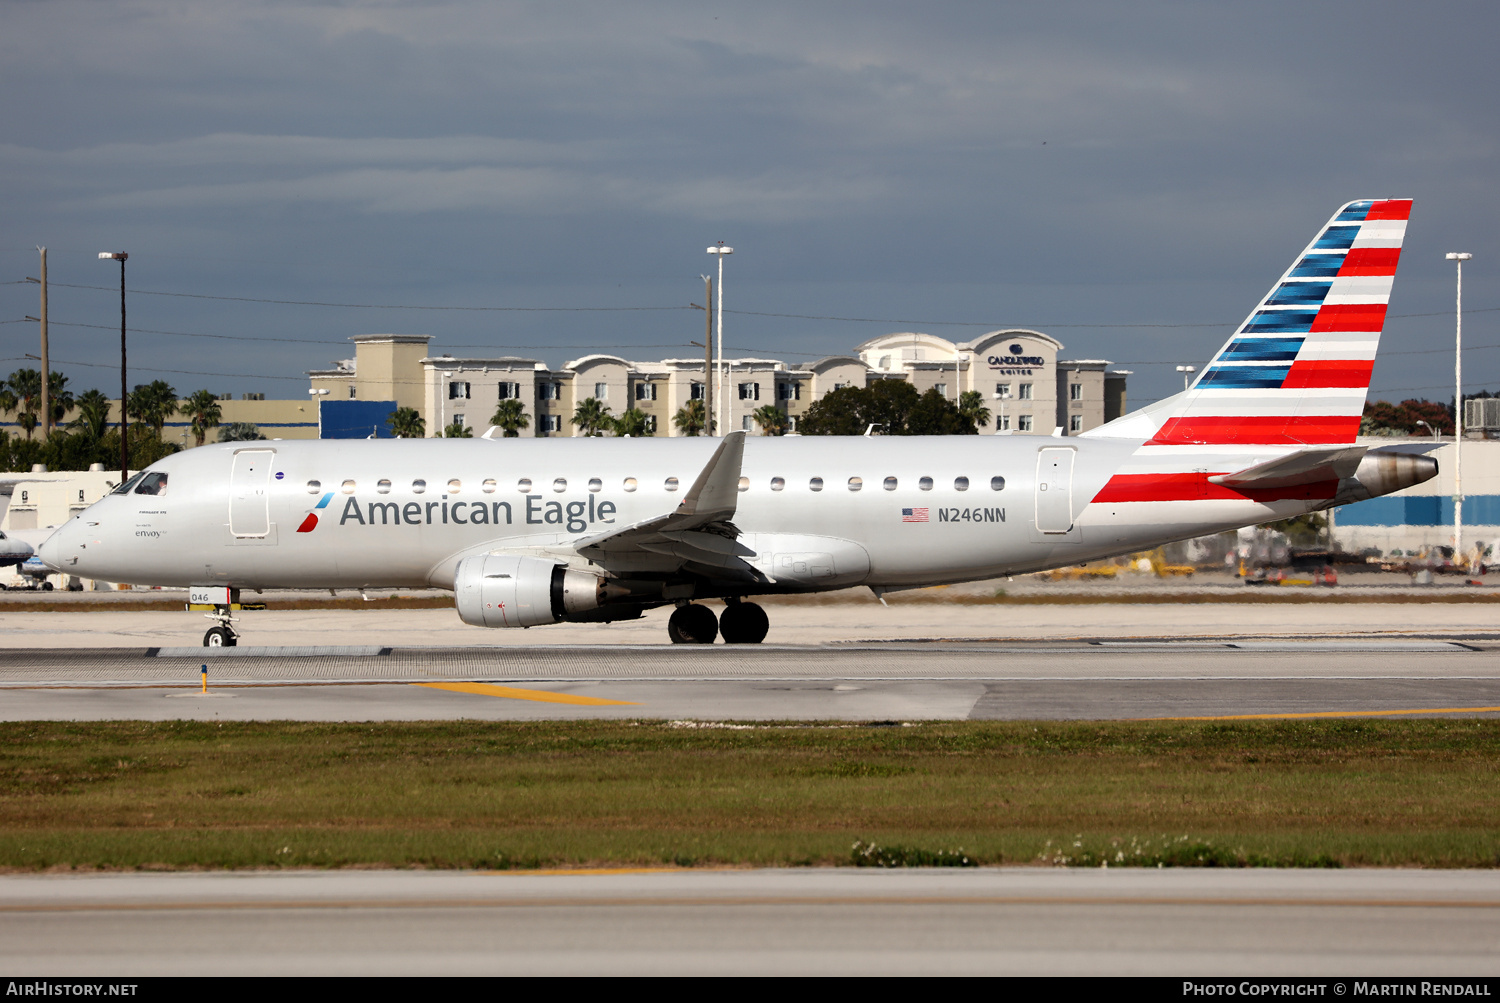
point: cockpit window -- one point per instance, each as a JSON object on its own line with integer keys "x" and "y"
{"x": 128, "y": 486}
{"x": 152, "y": 484}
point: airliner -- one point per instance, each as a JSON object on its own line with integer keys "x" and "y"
{"x": 527, "y": 532}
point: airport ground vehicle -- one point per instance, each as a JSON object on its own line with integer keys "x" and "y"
{"x": 536, "y": 531}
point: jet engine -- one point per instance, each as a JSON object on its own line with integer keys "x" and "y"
{"x": 498, "y": 590}
{"x": 1382, "y": 472}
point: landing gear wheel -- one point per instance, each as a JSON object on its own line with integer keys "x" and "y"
{"x": 46, "y": 586}
{"x": 692, "y": 625}
{"x": 219, "y": 637}
{"x": 743, "y": 623}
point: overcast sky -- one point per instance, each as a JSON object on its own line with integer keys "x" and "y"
{"x": 1129, "y": 178}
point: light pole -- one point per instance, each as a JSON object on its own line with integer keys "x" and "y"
{"x": 720, "y": 250}
{"x": 1187, "y": 374}
{"x": 1458, "y": 406}
{"x": 120, "y": 256}
{"x": 1430, "y": 429}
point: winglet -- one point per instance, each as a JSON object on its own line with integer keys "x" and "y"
{"x": 715, "y": 494}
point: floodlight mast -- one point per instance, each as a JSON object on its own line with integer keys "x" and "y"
{"x": 720, "y": 250}
{"x": 1458, "y": 257}
{"x": 120, "y": 256}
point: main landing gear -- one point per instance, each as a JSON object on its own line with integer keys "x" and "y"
{"x": 740, "y": 623}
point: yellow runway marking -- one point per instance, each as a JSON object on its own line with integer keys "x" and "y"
{"x": 512, "y": 693}
{"x": 1332, "y": 713}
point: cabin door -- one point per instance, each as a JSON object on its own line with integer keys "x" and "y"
{"x": 249, "y": 484}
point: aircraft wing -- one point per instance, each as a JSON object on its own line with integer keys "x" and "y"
{"x": 1306, "y": 466}
{"x": 699, "y": 531}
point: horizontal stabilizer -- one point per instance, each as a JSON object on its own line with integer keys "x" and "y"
{"x": 1306, "y": 466}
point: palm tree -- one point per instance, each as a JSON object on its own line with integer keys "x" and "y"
{"x": 690, "y": 418}
{"x": 592, "y": 417}
{"x": 24, "y": 387}
{"x": 203, "y": 412}
{"x": 771, "y": 419}
{"x": 153, "y": 404}
{"x": 458, "y": 430}
{"x": 406, "y": 423}
{"x": 93, "y": 414}
{"x": 239, "y": 431}
{"x": 635, "y": 423}
{"x": 971, "y": 408}
{"x": 511, "y": 415}
{"x": 59, "y": 397}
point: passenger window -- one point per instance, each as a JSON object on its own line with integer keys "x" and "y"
{"x": 744, "y": 484}
{"x": 890, "y": 484}
{"x": 778, "y": 483}
{"x": 560, "y": 485}
{"x": 152, "y": 484}
{"x": 455, "y": 486}
{"x": 960, "y": 484}
{"x": 489, "y": 485}
{"x": 383, "y": 486}
{"x": 997, "y": 483}
{"x": 816, "y": 484}
{"x": 855, "y": 483}
{"x": 313, "y": 487}
{"x": 630, "y": 484}
{"x": 925, "y": 484}
{"x": 595, "y": 484}
{"x": 418, "y": 486}
{"x": 523, "y": 485}
{"x": 671, "y": 484}
{"x": 347, "y": 487}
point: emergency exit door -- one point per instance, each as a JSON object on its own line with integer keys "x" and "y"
{"x": 249, "y": 484}
{"x": 1054, "y": 490}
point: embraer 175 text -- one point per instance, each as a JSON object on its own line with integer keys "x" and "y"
{"x": 537, "y": 531}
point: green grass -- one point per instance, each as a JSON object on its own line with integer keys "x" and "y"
{"x": 545, "y": 794}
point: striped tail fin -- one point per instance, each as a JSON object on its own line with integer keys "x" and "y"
{"x": 1298, "y": 369}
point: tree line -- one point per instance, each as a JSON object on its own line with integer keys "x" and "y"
{"x": 889, "y": 407}
{"x": 82, "y": 433}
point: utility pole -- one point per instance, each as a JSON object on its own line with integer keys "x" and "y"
{"x": 120, "y": 256}
{"x": 721, "y": 250}
{"x": 1458, "y": 408}
{"x": 46, "y": 366}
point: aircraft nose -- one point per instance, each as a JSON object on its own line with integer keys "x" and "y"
{"x": 51, "y": 550}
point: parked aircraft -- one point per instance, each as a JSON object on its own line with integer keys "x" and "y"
{"x": 538, "y": 531}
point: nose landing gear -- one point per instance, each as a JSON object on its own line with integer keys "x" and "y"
{"x": 222, "y": 636}
{"x": 740, "y": 623}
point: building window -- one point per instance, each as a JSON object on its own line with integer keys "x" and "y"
{"x": 549, "y": 391}
{"x": 601, "y": 391}
{"x": 509, "y": 391}
{"x": 651, "y": 423}
{"x": 695, "y": 392}
{"x": 1023, "y": 423}
{"x": 791, "y": 423}
{"x": 551, "y": 422}
{"x": 1075, "y": 423}
{"x": 1025, "y": 391}
{"x": 458, "y": 390}
{"x": 353, "y": 393}
{"x": 941, "y": 388}
{"x": 645, "y": 391}
{"x": 1002, "y": 391}
{"x": 749, "y": 392}
{"x": 458, "y": 420}
{"x": 791, "y": 391}
{"x": 748, "y": 423}
{"x": 1002, "y": 424}
{"x": 1075, "y": 391}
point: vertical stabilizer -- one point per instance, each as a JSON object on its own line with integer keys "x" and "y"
{"x": 1296, "y": 372}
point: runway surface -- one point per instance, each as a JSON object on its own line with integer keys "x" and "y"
{"x": 1018, "y": 921}
{"x": 955, "y": 680}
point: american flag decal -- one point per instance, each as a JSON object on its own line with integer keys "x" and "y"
{"x": 914, "y": 515}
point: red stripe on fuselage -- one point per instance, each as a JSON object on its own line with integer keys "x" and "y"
{"x": 1311, "y": 374}
{"x": 1371, "y": 261}
{"x": 1197, "y": 487}
{"x": 1259, "y": 429}
{"x": 1358, "y": 317}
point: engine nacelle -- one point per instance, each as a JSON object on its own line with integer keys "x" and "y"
{"x": 1381, "y": 472}
{"x": 498, "y": 590}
